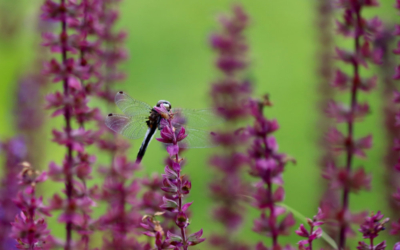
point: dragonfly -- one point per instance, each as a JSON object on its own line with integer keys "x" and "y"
{"x": 140, "y": 120}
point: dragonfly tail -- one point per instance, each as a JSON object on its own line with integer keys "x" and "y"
{"x": 141, "y": 152}
{"x": 149, "y": 135}
{"x": 139, "y": 159}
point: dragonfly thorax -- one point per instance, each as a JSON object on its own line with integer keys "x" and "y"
{"x": 154, "y": 119}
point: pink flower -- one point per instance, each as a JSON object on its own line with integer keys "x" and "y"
{"x": 314, "y": 233}
{"x": 29, "y": 229}
{"x": 176, "y": 187}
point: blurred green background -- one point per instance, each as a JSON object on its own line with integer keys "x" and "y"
{"x": 169, "y": 58}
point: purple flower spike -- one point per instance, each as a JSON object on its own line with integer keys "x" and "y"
{"x": 14, "y": 152}
{"x": 370, "y": 229}
{"x": 29, "y": 229}
{"x": 176, "y": 187}
{"x": 85, "y": 28}
{"x": 341, "y": 138}
{"x": 314, "y": 233}
{"x": 229, "y": 96}
{"x": 393, "y": 124}
{"x": 122, "y": 219}
{"x": 122, "y": 216}
{"x": 268, "y": 165}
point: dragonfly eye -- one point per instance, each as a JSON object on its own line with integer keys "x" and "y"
{"x": 121, "y": 92}
{"x": 167, "y": 106}
{"x": 109, "y": 114}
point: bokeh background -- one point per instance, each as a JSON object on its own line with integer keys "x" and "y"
{"x": 170, "y": 58}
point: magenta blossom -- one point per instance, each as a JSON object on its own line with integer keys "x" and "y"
{"x": 370, "y": 229}
{"x": 314, "y": 233}
{"x": 268, "y": 165}
{"x": 229, "y": 95}
{"x": 363, "y": 32}
{"x": 79, "y": 77}
{"x": 14, "y": 152}
{"x": 30, "y": 229}
{"x": 176, "y": 187}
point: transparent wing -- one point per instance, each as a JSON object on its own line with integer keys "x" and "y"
{"x": 195, "y": 118}
{"x": 197, "y": 138}
{"x": 130, "y": 127}
{"x": 130, "y": 106}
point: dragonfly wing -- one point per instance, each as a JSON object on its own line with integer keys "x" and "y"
{"x": 130, "y": 106}
{"x": 197, "y": 138}
{"x": 195, "y": 118}
{"x": 130, "y": 127}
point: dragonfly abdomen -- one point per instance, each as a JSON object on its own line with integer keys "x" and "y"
{"x": 146, "y": 141}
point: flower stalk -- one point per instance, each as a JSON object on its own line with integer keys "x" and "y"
{"x": 314, "y": 233}
{"x": 268, "y": 165}
{"x": 29, "y": 229}
{"x": 230, "y": 93}
{"x": 72, "y": 104}
{"x": 396, "y": 117}
{"x": 14, "y": 151}
{"x": 119, "y": 190}
{"x": 175, "y": 184}
{"x": 121, "y": 219}
{"x": 370, "y": 229}
{"x": 362, "y": 31}
{"x": 67, "y": 119}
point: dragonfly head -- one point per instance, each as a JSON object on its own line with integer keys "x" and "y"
{"x": 165, "y": 103}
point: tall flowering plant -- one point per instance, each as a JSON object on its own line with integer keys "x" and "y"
{"x": 370, "y": 228}
{"x": 325, "y": 72}
{"x": 268, "y": 165}
{"x": 229, "y": 95}
{"x": 112, "y": 52}
{"x": 122, "y": 217}
{"x": 384, "y": 42}
{"x": 396, "y": 225}
{"x": 311, "y": 235}
{"x": 29, "y": 228}
{"x": 77, "y": 21}
{"x": 119, "y": 190}
{"x": 325, "y": 67}
{"x": 343, "y": 141}
{"x": 176, "y": 186}
{"x": 14, "y": 152}
{"x": 151, "y": 202}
